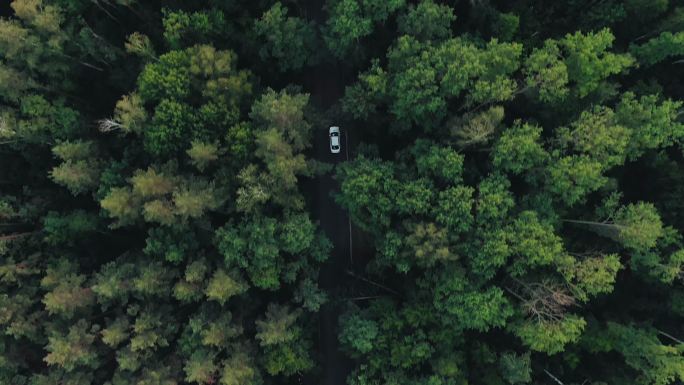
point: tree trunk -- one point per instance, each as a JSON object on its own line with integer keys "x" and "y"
{"x": 662, "y": 333}
{"x": 553, "y": 377}
{"x": 12, "y": 237}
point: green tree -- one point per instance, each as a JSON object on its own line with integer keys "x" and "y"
{"x": 588, "y": 62}
{"x": 663, "y": 262}
{"x": 636, "y": 226}
{"x": 427, "y": 244}
{"x": 280, "y": 338}
{"x": 310, "y": 295}
{"x": 657, "y": 49}
{"x": 191, "y": 287}
{"x": 593, "y": 275}
{"x": 278, "y": 327}
{"x": 296, "y": 233}
{"x": 121, "y": 204}
{"x": 183, "y": 28}
{"x": 515, "y": 369}
{"x": 367, "y": 191}
{"x": 116, "y": 332}
{"x": 289, "y": 40}
{"x": 363, "y": 97}
{"x": 152, "y": 279}
{"x": 194, "y": 92}
{"x": 454, "y": 208}
{"x": 550, "y": 337}
{"x": 67, "y": 294}
{"x": 443, "y": 164}
{"x": 73, "y": 349}
{"x": 283, "y": 133}
{"x": 655, "y": 362}
{"x": 253, "y": 246}
{"x": 471, "y": 308}
{"x": 533, "y": 242}
{"x": 494, "y": 200}
{"x": 224, "y": 285}
{"x": 424, "y": 77}
{"x": 111, "y": 284}
{"x": 427, "y": 21}
{"x": 573, "y": 177}
{"x": 167, "y": 78}
{"x": 172, "y": 243}
{"x": 518, "y": 149}
{"x": 140, "y": 45}
{"x": 200, "y": 367}
{"x": 203, "y": 154}
{"x": 597, "y": 135}
{"x": 130, "y": 113}
{"x": 195, "y": 197}
{"x": 357, "y": 334}
{"x": 238, "y": 369}
{"x": 351, "y": 20}
{"x": 151, "y": 330}
{"x": 79, "y": 171}
{"x": 653, "y": 123}
{"x": 151, "y": 183}
{"x": 69, "y": 227}
{"x": 284, "y": 112}
{"x": 415, "y": 197}
{"x": 169, "y": 127}
{"x": 547, "y": 73}
{"x": 579, "y": 60}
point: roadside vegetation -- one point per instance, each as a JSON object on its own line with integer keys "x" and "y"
{"x": 518, "y": 185}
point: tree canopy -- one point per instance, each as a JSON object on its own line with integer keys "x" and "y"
{"x": 506, "y": 207}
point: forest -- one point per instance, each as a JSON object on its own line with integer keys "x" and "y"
{"x": 507, "y": 207}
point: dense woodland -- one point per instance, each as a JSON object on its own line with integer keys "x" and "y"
{"x": 518, "y": 183}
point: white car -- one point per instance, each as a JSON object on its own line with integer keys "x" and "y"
{"x": 334, "y": 133}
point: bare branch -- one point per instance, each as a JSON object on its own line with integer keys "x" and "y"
{"x": 670, "y": 336}
{"x": 11, "y": 237}
{"x": 553, "y": 377}
{"x": 544, "y": 301}
{"x": 108, "y": 125}
{"x": 372, "y": 283}
{"x": 364, "y": 298}
{"x": 96, "y": 68}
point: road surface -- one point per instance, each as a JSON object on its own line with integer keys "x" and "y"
{"x": 335, "y": 223}
{"x": 326, "y": 85}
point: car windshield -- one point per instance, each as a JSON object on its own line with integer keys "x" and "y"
{"x": 334, "y": 134}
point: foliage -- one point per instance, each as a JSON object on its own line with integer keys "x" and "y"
{"x": 289, "y": 40}
{"x": 507, "y": 207}
{"x": 427, "y": 21}
{"x": 552, "y": 337}
{"x": 351, "y": 20}
{"x": 659, "y": 48}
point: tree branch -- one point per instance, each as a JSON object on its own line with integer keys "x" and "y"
{"x": 559, "y": 382}
{"x": 372, "y": 283}
{"x": 662, "y": 333}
